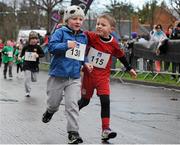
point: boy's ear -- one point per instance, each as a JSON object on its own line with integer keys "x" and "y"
{"x": 111, "y": 30}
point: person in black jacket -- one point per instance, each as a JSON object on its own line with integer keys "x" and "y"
{"x": 175, "y": 35}
{"x": 31, "y": 53}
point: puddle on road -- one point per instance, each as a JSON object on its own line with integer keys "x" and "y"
{"x": 178, "y": 117}
{"x": 8, "y": 100}
{"x": 174, "y": 99}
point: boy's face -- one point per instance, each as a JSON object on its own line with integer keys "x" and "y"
{"x": 75, "y": 23}
{"x": 33, "y": 41}
{"x": 103, "y": 27}
{"x": 158, "y": 28}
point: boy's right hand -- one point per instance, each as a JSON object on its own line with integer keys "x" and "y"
{"x": 36, "y": 55}
{"x": 89, "y": 67}
{"x": 19, "y": 58}
{"x": 71, "y": 44}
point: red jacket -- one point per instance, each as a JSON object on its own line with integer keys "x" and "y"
{"x": 1, "y": 46}
{"x": 110, "y": 47}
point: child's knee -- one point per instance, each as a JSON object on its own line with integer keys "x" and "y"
{"x": 83, "y": 102}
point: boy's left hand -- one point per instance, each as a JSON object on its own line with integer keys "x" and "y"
{"x": 71, "y": 44}
{"x": 133, "y": 73}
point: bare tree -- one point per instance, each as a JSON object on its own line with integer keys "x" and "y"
{"x": 46, "y": 5}
{"x": 29, "y": 19}
{"x": 8, "y": 21}
{"x": 176, "y": 5}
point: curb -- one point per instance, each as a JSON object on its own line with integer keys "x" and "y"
{"x": 141, "y": 83}
{"x": 145, "y": 83}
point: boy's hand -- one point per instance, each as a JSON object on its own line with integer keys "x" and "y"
{"x": 71, "y": 44}
{"x": 157, "y": 51}
{"x": 36, "y": 55}
{"x": 89, "y": 67}
{"x": 133, "y": 73}
{"x": 19, "y": 58}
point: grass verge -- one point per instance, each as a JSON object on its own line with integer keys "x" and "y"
{"x": 164, "y": 79}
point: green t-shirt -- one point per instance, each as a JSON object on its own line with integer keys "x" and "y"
{"x": 7, "y": 54}
{"x": 16, "y": 54}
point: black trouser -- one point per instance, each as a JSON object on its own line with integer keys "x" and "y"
{"x": 0, "y": 59}
{"x": 19, "y": 66}
{"x": 105, "y": 105}
{"x": 174, "y": 67}
{"x": 6, "y": 65}
{"x": 166, "y": 65}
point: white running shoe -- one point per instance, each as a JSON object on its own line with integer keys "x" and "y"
{"x": 108, "y": 134}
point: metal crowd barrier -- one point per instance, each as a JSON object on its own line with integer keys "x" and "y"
{"x": 142, "y": 50}
{"x": 155, "y": 74}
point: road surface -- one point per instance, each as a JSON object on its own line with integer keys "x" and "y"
{"x": 139, "y": 114}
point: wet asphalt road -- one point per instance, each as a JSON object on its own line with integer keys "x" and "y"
{"x": 139, "y": 114}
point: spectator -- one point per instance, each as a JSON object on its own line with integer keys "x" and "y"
{"x": 134, "y": 38}
{"x": 169, "y": 31}
{"x": 45, "y": 46}
{"x": 1, "y": 47}
{"x": 40, "y": 39}
{"x": 168, "y": 34}
{"x": 158, "y": 36}
{"x": 152, "y": 32}
{"x": 175, "y": 35}
{"x": 118, "y": 39}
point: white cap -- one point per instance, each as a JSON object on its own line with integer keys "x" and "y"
{"x": 73, "y": 11}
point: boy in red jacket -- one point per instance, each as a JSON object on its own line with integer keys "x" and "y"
{"x": 102, "y": 47}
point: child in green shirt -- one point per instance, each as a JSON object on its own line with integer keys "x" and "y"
{"x": 8, "y": 58}
{"x": 19, "y": 63}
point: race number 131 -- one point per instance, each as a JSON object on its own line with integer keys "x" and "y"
{"x": 77, "y": 53}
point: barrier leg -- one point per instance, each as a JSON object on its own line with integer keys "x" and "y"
{"x": 116, "y": 73}
{"x": 155, "y": 76}
{"x": 146, "y": 75}
{"x": 178, "y": 81}
{"x": 120, "y": 78}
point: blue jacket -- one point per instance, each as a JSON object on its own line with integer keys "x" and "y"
{"x": 60, "y": 65}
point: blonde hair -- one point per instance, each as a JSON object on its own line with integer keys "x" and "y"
{"x": 109, "y": 18}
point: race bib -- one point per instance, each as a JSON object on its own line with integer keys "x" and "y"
{"x": 77, "y": 53}
{"x": 10, "y": 54}
{"x": 97, "y": 58}
{"x": 30, "y": 56}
